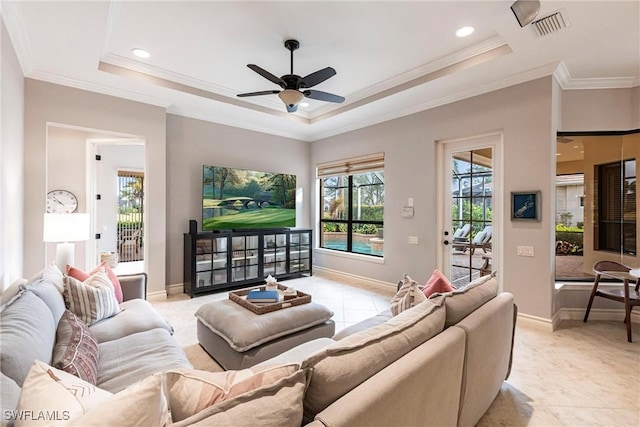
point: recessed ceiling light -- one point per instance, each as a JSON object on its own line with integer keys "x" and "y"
{"x": 140, "y": 53}
{"x": 465, "y": 31}
{"x": 558, "y": 154}
{"x": 575, "y": 146}
{"x": 304, "y": 104}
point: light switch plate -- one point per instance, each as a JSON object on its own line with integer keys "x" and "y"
{"x": 525, "y": 251}
{"x": 413, "y": 240}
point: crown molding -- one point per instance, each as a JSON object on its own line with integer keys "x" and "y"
{"x": 97, "y": 88}
{"x": 544, "y": 71}
{"x": 567, "y": 82}
{"x": 241, "y": 124}
{"x": 15, "y": 27}
{"x": 458, "y": 57}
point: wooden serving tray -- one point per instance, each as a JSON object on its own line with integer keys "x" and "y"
{"x": 240, "y": 297}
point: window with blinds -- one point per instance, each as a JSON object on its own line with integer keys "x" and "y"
{"x": 352, "y": 205}
{"x": 616, "y": 207}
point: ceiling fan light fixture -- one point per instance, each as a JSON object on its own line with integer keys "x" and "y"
{"x": 291, "y": 97}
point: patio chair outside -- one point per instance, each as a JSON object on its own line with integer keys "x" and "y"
{"x": 461, "y": 235}
{"x": 481, "y": 240}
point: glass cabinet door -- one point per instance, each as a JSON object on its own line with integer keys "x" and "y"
{"x": 299, "y": 252}
{"x": 244, "y": 258}
{"x": 211, "y": 262}
{"x": 275, "y": 254}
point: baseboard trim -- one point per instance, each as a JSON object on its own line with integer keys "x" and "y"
{"x": 175, "y": 289}
{"x": 157, "y": 296}
{"x": 608, "y": 314}
{"x": 540, "y": 321}
{"x": 366, "y": 280}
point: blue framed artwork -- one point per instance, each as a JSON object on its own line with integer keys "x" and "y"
{"x": 525, "y": 206}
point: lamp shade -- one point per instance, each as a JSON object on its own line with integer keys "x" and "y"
{"x": 66, "y": 227}
{"x": 291, "y": 96}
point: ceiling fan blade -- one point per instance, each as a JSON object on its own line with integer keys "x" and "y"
{"x": 292, "y": 108}
{"x": 267, "y": 75}
{"x": 317, "y": 77}
{"x": 264, "y": 92}
{"x": 323, "y": 96}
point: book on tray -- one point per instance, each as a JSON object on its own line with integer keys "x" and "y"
{"x": 256, "y": 295}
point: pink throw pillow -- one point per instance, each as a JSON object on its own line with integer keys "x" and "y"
{"x": 78, "y": 274}
{"x": 438, "y": 283}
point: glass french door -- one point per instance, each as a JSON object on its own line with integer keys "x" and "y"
{"x": 468, "y": 209}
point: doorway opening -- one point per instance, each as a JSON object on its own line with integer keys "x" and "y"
{"x": 596, "y": 202}
{"x": 469, "y": 207}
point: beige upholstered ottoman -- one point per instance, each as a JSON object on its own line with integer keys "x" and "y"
{"x": 237, "y": 338}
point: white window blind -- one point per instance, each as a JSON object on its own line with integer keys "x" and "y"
{"x": 352, "y": 166}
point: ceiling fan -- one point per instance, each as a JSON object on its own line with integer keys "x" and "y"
{"x": 294, "y": 87}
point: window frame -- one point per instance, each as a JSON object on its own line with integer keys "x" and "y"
{"x": 349, "y": 221}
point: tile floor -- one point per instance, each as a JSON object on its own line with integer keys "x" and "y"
{"x": 579, "y": 375}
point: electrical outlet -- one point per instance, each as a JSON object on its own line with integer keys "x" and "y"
{"x": 413, "y": 240}
{"x": 525, "y": 251}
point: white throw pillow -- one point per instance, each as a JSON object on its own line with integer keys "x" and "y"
{"x": 51, "y": 396}
{"x": 409, "y": 295}
{"x": 141, "y": 404}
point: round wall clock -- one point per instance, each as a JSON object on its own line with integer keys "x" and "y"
{"x": 61, "y": 201}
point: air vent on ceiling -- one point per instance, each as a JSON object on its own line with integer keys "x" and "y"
{"x": 551, "y": 23}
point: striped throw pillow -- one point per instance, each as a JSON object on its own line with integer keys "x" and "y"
{"x": 407, "y": 296}
{"x": 76, "y": 350}
{"x": 91, "y": 300}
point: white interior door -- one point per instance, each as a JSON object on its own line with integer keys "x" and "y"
{"x": 470, "y": 206}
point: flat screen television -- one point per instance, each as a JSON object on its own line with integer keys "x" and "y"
{"x": 235, "y": 199}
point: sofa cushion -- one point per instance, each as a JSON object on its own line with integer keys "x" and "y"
{"x": 135, "y": 316}
{"x": 76, "y": 348}
{"x": 49, "y": 293}
{"x": 57, "y": 392}
{"x": 192, "y": 391}
{"x": 76, "y": 273}
{"x": 372, "y": 321}
{"x": 134, "y": 357}
{"x": 342, "y": 366}
{"x": 407, "y": 296}
{"x": 51, "y": 274}
{"x": 438, "y": 282}
{"x": 279, "y": 404}
{"x": 9, "y": 293}
{"x": 243, "y": 329}
{"x": 91, "y": 300}
{"x": 141, "y": 404}
{"x": 9, "y": 395}
{"x": 461, "y": 302}
{"x": 27, "y": 333}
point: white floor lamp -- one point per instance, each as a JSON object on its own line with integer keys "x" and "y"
{"x": 65, "y": 228}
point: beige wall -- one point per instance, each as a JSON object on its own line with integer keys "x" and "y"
{"x": 523, "y": 114}
{"x": 54, "y": 104}
{"x": 193, "y": 143}
{"x": 11, "y": 162}
{"x": 600, "y": 109}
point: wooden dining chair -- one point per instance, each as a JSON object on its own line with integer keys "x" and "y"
{"x": 629, "y": 297}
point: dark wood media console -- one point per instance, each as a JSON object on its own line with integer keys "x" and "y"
{"x": 218, "y": 261}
